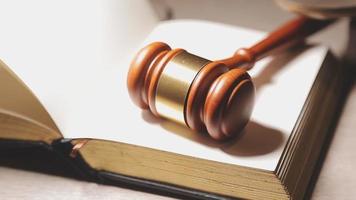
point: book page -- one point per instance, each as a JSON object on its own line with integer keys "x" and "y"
{"x": 17, "y": 100}
{"x": 282, "y": 83}
{"x": 51, "y": 45}
{"x": 84, "y": 89}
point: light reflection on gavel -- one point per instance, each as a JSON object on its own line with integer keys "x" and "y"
{"x": 213, "y": 96}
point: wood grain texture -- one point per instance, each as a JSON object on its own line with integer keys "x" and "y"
{"x": 229, "y": 104}
{"x": 218, "y": 101}
{"x": 289, "y": 34}
{"x": 198, "y": 92}
{"x": 140, "y": 66}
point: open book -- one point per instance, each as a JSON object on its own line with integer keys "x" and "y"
{"x": 63, "y": 85}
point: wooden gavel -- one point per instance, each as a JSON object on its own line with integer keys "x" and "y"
{"x": 213, "y": 96}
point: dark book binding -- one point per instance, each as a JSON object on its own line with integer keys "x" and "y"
{"x": 55, "y": 159}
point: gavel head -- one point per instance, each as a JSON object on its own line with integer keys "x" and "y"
{"x": 188, "y": 89}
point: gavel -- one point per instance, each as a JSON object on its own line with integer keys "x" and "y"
{"x": 216, "y": 97}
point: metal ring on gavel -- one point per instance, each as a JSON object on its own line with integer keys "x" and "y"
{"x": 213, "y": 96}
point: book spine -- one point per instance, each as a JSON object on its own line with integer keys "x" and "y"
{"x": 67, "y": 151}
{"x": 36, "y": 156}
{"x": 20, "y": 144}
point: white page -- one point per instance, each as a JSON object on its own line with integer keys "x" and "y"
{"x": 87, "y": 97}
{"x": 52, "y": 44}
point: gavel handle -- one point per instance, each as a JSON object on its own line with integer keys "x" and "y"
{"x": 291, "y": 33}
